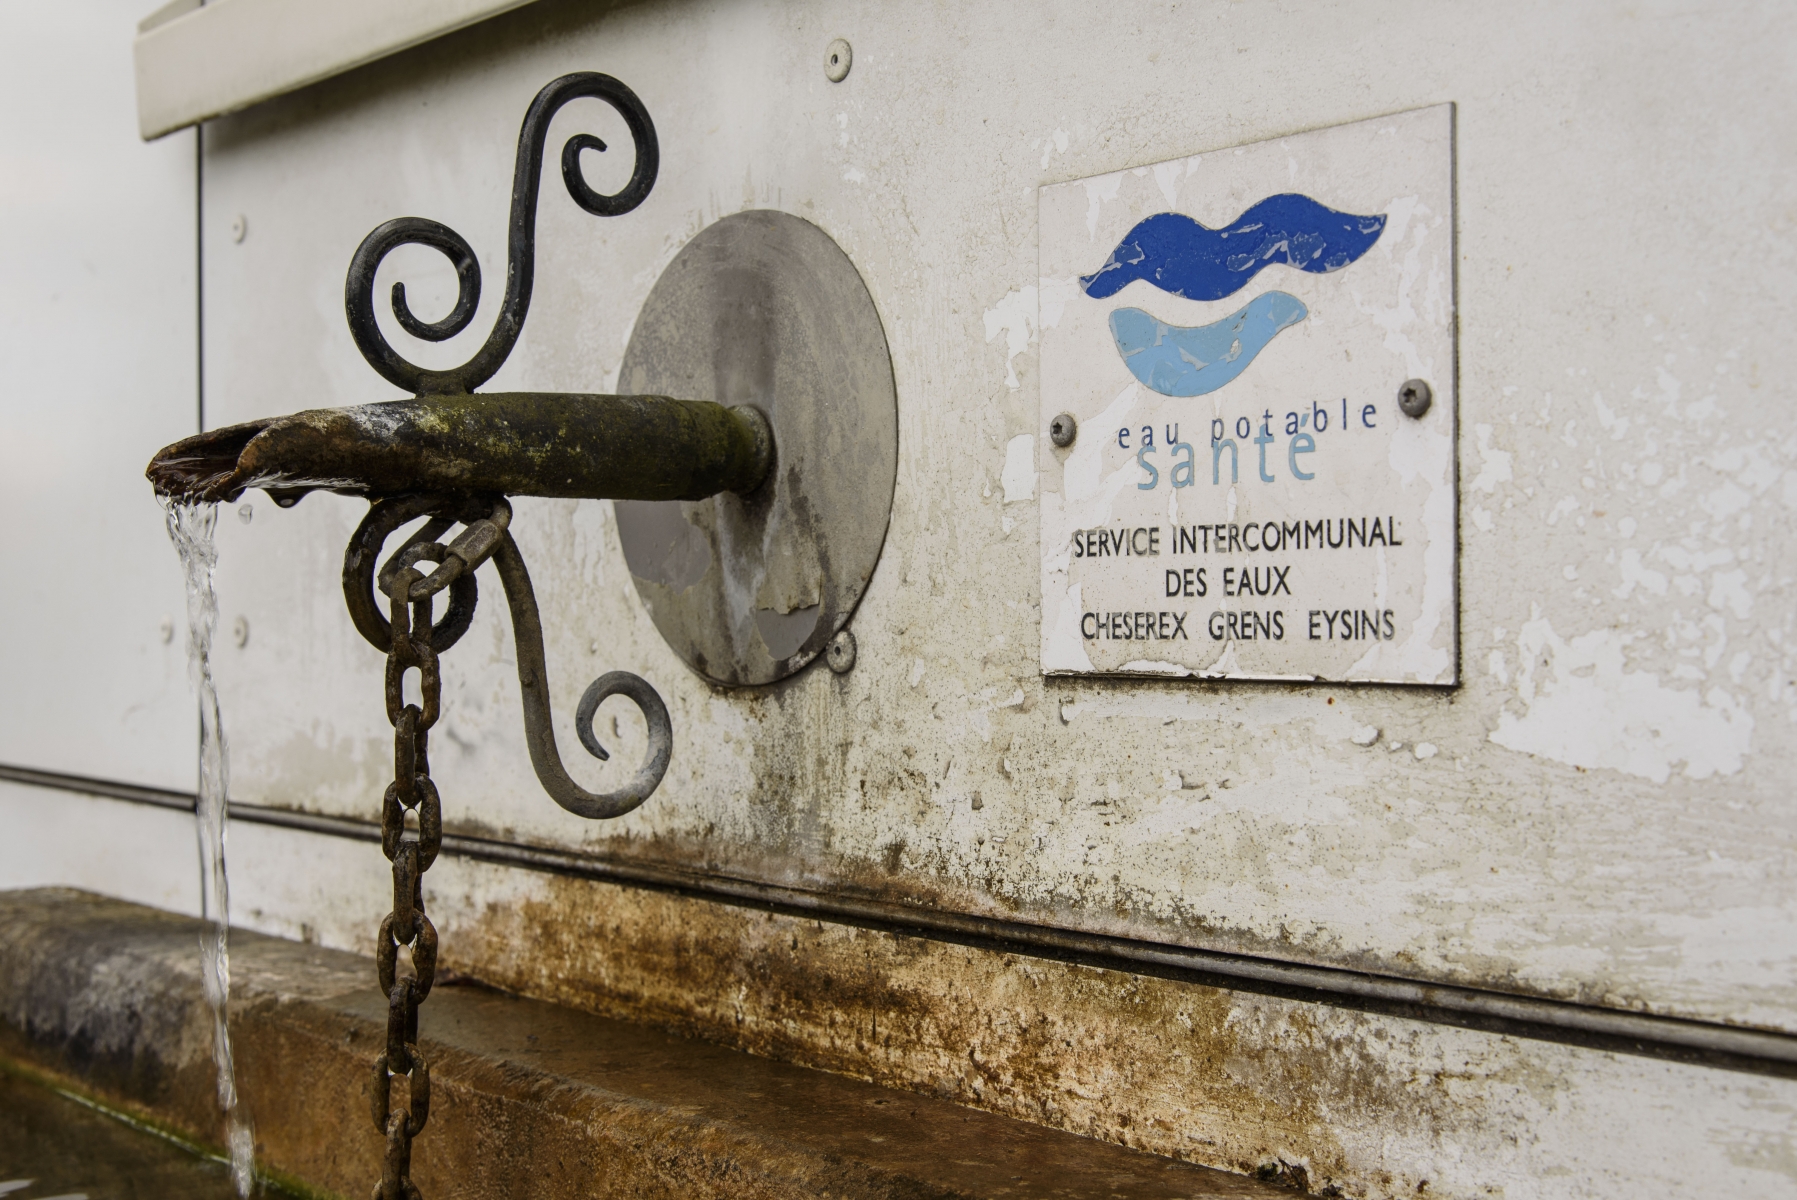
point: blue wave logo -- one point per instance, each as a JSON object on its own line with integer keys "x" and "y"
{"x": 1177, "y": 361}
{"x": 1179, "y": 255}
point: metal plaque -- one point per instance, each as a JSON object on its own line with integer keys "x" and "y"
{"x": 1248, "y": 395}
{"x": 764, "y": 309}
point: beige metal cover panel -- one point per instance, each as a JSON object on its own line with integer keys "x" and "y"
{"x": 227, "y": 55}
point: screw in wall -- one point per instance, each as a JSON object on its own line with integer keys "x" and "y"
{"x": 840, "y": 653}
{"x": 837, "y": 60}
{"x": 1062, "y": 430}
{"x": 1415, "y": 397}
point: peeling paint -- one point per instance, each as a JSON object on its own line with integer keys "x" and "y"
{"x": 1583, "y": 708}
{"x": 1015, "y": 317}
{"x": 1019, "y": 478}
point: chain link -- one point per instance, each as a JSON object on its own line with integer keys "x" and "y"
{"x": 412, "y": 828}
{"x": 411, "y": 809}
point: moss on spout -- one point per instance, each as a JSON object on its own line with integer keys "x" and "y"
{"x": 502, "y": 443}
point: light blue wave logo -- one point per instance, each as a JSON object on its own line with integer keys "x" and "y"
{"x": 1188, "y": 259}
{"x": 1178, "y": 361}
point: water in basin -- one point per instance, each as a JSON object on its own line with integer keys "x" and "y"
{"x": 56, "y": 1148}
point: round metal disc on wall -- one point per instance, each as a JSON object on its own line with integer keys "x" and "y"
{"x": 764, "y": 309}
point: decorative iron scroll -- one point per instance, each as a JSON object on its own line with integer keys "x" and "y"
{"x": 487, "y": 536}
{"x": 527, "y": 175}
{"x": 409, "y": 636}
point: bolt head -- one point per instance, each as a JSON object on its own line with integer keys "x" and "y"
{"x": 837, "y": 59}
{"x": 840, "y": 653}
{"x": 1415, "y": 397}
{"x": 1062, "y": 430}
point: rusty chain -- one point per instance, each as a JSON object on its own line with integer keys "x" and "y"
{"x": 411, "y": 809}
{"x": 412, "y": 844}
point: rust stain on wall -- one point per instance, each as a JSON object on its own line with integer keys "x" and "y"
{"x": 1247, "y": 1083}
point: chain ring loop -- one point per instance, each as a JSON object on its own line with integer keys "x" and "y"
{"x": 359, "y": 593}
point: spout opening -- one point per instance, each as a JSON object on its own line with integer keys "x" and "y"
{"x": 203, "y": 467}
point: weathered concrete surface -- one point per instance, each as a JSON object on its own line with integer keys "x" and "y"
{"x": 1373, "y": 1105}
{"x": 1369, "y": 1105}
{"x": 1598, "y": 814}
{"x": 528, "y": 1100}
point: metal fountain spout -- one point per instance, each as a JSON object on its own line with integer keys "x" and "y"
{"x": 451, "y": 456}
{"x": 760, "y": 330}
{"x": 494, "y": 444}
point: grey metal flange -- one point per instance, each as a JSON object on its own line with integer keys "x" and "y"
{"x": 764, "y": 309}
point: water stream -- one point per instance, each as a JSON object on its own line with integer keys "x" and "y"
{"x": 191, "y": 528}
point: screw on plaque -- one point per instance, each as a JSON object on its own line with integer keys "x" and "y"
{"x": 1415, "y": 397}
{"x": 837, "y": 60}
{"x": 1062, "y": 430}
{"x": 840, "y": 653}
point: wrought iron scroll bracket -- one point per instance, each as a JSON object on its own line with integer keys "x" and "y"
{"x": 487, "y": 536}
{"x": 527, "y": 174}
{"x": 487, "y": 518}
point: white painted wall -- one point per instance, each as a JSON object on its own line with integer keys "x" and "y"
{"x": 97, "y": 338}
{"x": 1600, "y": 812}
{"x": 133, "y": 851}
